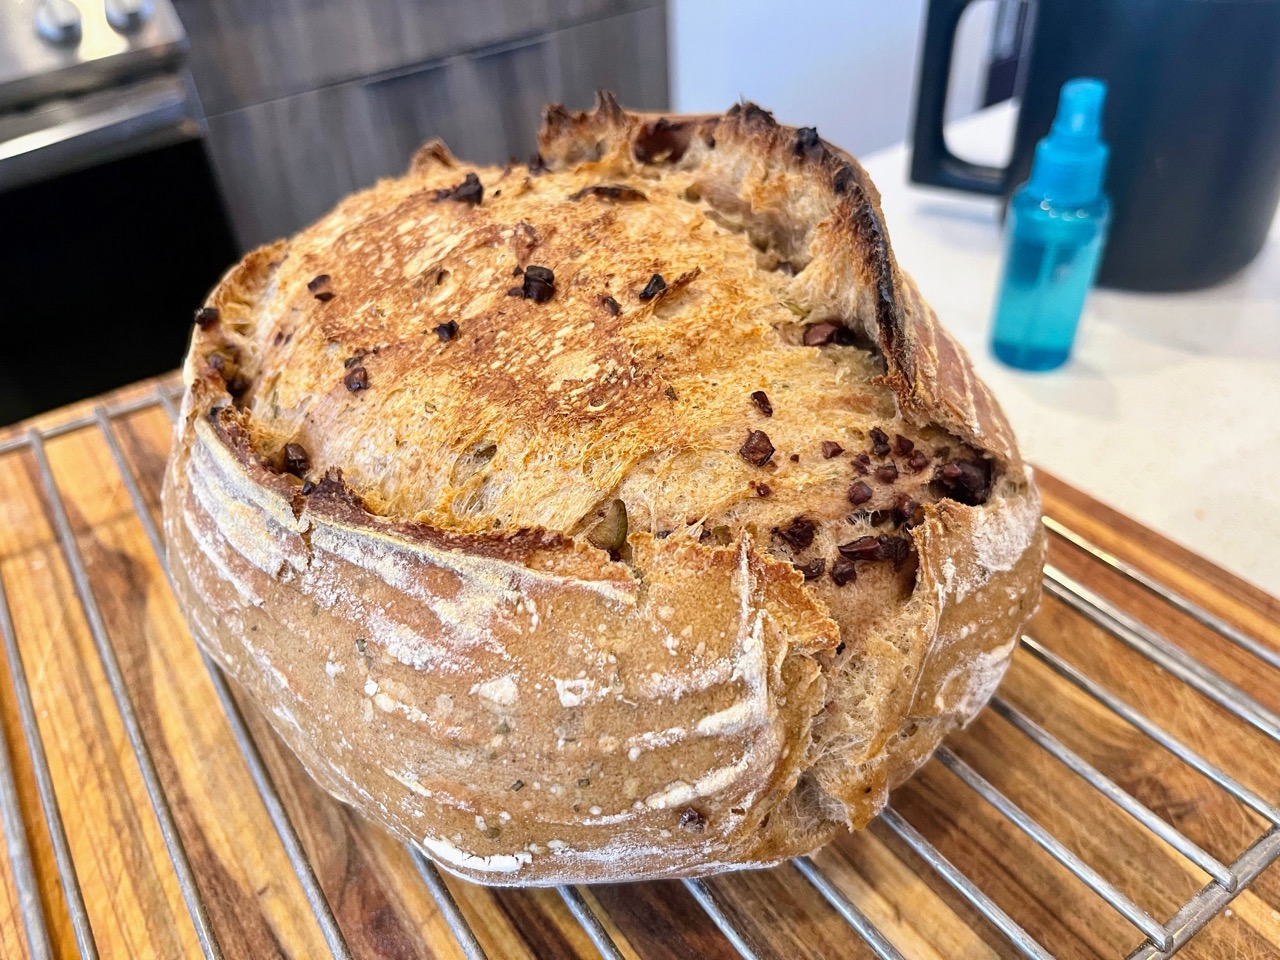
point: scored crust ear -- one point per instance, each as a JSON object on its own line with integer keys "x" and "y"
{"x": 431, "y": 154}
{"x": 821, "y": 196}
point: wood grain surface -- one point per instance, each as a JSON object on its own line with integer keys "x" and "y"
{"x": 257, "y": 905}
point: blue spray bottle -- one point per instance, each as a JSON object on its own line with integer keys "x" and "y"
{"x": 1055, "y": 231}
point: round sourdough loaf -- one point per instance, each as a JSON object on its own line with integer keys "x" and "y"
{"x": 623, "y": 515}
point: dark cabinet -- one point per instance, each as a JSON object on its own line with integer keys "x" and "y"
{"x": 291, "y": 131}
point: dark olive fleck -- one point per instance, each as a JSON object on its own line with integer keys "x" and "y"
{"x": 757, "y": 450}
{"x": 470, "y": 190}
{"x": 518, "y": 785}
{"x": 654, "y": 287}
{"x": 612, "y": 306}
{"x": 693, "y": 821}
{"x": 307, "y": 487}
{"x": 670, "y": 392}
{"x": 361, "y": 644}
{"x": 296, "y": 460}
{"x": 859, "y": 493}
{"x": 967, "y": 481}
{"x": 539, "y": 284}
{"x": 843, "y": 571}
{"x": 761, "y": 400}
{"x": 519, "y": 270}
{"x": 584, "y": 781}
{"x": 447, "y": 330}
{"x": 206, "y": 317}
{"x": 825, "y": 332}
{"x": 357, "y": 379}
{"x": 879, "y": 442}
{"x": 882, "y": 547}
{"x": 906, "y": 510}
{"x": 798, "y": 533}
{"x": 864, "y": 548}
{"x": 813, "y": 569}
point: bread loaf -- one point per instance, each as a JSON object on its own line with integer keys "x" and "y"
{"x": 626, "y": 514}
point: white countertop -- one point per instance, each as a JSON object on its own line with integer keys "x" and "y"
{"x": 1169, "y": 409}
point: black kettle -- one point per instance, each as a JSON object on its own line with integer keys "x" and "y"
{"x": 1192, "y": 118}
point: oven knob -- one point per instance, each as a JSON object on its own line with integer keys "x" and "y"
{"x": 58, "y": 21}
{"x": 128, "y": 15}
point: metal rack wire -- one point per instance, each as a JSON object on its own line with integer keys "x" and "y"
{"x": 1163, "y": 939}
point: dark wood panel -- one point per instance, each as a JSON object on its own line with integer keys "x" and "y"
{"x": 248, "y": 51}
{"x": 284, "y": 163}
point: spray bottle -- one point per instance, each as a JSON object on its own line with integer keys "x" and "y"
{"x": 1055, "y": 232}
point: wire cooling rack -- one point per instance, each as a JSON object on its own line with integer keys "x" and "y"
{"x": 1223, "y": 881}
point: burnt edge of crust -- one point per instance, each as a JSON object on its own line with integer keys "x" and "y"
{"x": 571, "y": 137}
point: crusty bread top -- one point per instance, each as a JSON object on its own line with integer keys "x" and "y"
{"x": 394, "y": 340}
{"x": 642, "y": 468}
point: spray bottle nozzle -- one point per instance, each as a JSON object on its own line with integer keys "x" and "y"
{"x": 1080, "y": 109}
{"x": 1070, "y": 162}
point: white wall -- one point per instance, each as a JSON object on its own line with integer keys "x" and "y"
{"x": 847, "y": 67}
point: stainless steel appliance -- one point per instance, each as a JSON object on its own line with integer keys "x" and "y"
{"x": 111, "y": 227}
{"x": 82, "y": 82}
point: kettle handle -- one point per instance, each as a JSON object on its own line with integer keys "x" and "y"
{"x": 931, "y": 162}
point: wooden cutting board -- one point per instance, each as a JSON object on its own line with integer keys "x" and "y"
{"x": 256, "y": 904}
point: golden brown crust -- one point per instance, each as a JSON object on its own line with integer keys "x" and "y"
{"x": 928, "y": 371}
{"x": 429, "y": 621}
